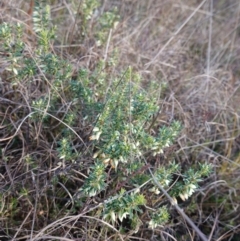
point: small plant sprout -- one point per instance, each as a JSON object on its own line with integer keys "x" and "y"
{"x": 159, "y": 217}
{"x": 96, "y": 182}
{"x": 126, "y": 205}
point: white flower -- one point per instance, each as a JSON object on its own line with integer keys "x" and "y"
{"x": 155, "y": 190}
{"x": 95, "y": 129}
{"x": 96, "y": 136}
{"x": 184, "y": 196}
{"x": 152, "y": 224}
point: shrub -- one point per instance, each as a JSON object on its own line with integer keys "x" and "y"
{"x": 114, "y": 128}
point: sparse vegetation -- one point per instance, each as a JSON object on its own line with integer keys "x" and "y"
{"x": 117, "y": 122}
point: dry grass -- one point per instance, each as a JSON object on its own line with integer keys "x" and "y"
{"x": 193, "y": 46}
